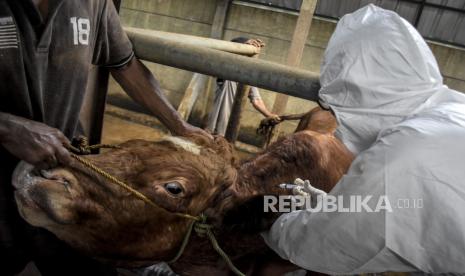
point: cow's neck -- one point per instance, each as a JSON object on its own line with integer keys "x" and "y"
{"x": 283, "y": 164}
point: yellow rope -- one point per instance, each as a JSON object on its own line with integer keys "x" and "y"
{"x": 120, "y": 183}
{"x": 202, "y": 229}
{"x": 198, "y": 222}
{"x": 184, "y": 243}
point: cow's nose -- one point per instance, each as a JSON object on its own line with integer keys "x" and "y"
{"x": 23, "y": 175}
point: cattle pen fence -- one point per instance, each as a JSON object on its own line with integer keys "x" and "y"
{"x": 222, "y": 59}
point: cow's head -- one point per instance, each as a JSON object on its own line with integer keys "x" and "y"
{"x": 180, "y": 175}
{"x": 104, "y": 220}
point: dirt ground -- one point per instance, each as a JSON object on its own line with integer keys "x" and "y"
{"x": 117, "y": 130}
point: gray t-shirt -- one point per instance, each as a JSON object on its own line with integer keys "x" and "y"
{"x": 44, "y": 66}
{"x": 44, "y": 71}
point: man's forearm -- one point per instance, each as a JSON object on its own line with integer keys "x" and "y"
{"x": 260, "y": 106}
{"x": 139, "y": 84}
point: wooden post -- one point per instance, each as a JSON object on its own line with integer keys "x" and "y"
{"x": 200, "y": 84}
{"x": 197, "y": 84}
{"x": 234, "y": 123}
{"x": 232, "y": 131}
{"x": 217, "y": 31}
{"x": 219, "y": 20}
{"x": 93, "y": 107}
{"x": 296, "y": 49}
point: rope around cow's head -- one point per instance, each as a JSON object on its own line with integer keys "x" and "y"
{"x": 199, "y": 223}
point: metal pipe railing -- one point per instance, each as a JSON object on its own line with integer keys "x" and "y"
{"x": 205, "y": 42}
{"x": 255, "y": 72}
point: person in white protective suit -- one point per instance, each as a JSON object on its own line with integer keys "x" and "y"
{"x": 407, "y": 130}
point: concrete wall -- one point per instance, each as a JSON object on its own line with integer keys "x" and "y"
{"x": 180, "y": 16}
{"x": 275, "y": 28}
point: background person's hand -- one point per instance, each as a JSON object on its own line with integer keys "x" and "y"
{"x": 267, "y": 124}
{"x": 274, "y": 118}
{"x": 256, "y": 42}
{"x": 34, "y": 142}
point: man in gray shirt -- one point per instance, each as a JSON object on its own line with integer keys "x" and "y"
{"x": 225, "y": 94}
{"x": 47, "y": 48}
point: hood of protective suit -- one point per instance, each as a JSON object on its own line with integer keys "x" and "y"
{"x": 384, "y": 85}
{"x": 377, "y": 70}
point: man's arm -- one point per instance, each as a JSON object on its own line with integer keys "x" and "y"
{"x": 259, "y": 105}
{"x": 144, "y": 88}
{"x": 33, "y": 142}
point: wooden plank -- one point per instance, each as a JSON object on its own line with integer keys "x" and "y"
{"x": 232, "y": 131}
{"x": 196, "y": 86}
{"x": 217, "y": 32}
{"x": 200, "y": 84}
{"x": 219, "y": 20}
{"x": 207, "y": 102}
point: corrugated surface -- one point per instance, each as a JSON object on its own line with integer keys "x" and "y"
{"x": 434, "y": 22}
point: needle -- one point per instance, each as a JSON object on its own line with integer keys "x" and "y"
{"x": 287, "y": 186}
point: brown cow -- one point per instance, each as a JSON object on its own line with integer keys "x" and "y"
{"x": 186, "y": 176}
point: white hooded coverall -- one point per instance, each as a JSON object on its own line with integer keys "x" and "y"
{"x": 407, "y": 130}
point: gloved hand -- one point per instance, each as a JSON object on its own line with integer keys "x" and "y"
{"x": 304, "y": 188}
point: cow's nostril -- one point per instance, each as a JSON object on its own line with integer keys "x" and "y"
{"x": 174, "y": 188}
{"x": 44, "y": 173}
{"x": 51, "y": 175}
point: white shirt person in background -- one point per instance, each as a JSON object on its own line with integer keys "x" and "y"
{"x": 225, "y": 94}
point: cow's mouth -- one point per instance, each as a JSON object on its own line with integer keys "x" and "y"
{"x": 44, "y": 197}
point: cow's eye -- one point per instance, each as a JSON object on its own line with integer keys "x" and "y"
{"x": 174, "y": 188}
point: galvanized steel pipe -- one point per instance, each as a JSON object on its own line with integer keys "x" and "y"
{"x": 260, "y": 73}
{"x": 217, "y": 44}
